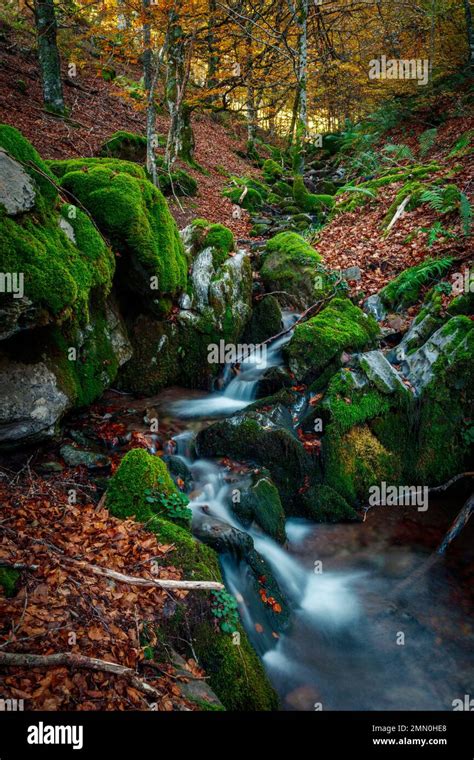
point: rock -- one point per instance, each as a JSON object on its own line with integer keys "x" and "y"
{"x": 194, "y": 689}
{"x": 381, "y": 373}
{"x": 273, "y": 380}
{"x": 179, "y": 469}
{"x": 314, "y": 352}
{"x": 373, "y": 305}
{"x": 185, "y": 302}
{"x": 17, "y": 191}
{"x": 67, "y": 228}
{"x": 201, "y": 274}
{"x": 117, "y": 333}
{"x": 32, "y": 403}
{"x": 77, "y": 457}
{"x": 222, "y": 537}
{"x": 266, "y": 321}
{"x": 290, "y": 264}
{"x": 260, "y": 503}
{"x": 267, "y": 439}
{"x": 419, "y": 367}
{"x": 18, "y": 314}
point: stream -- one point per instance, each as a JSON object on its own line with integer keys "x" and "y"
{"x": 354, "y": 642}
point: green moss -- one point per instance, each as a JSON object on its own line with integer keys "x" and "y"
{"x": 178, "y": 183}
{"x": 283, "y": 189}
{"x": 262, "y": 504}
{"x": 196, "y": 560}
{"x": 216, "y": 236}
{"x": 462, "y": 304}
{"x": 138, "y": 472}
{"x": 235, "y": 673}
{"x": 356, "y": 460}
{"x": 272, "y": 171}
{"x": 345, "y": 406}
{"x": 406, "y": 288}
{"x": 9, "y": 578}
{"x": 309, "y": 201}
{"x": 125, "y": 145}
{"x": 290, "y": 264}
{"x": 324, "y": 504}
{"x": 19, "y": 148}
{"x": 133, "y": 215}
{"x": 252, "y": 200}
{"x": 319, "y": 342}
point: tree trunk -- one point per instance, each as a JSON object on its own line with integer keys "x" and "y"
{"x": 250, "y": 96}
{"x": 48, "y": 56}
{"x": 302, "y": 124}
{"x": 180, "y": 136}
{"x": 212, "y": 53}
{"x": 149, "y": 83}
{"x": 469, "y": 31}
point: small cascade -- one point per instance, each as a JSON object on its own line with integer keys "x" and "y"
{"x": 239, "y": 389}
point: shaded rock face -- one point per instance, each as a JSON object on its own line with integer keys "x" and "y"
{"x": 32, "y": 403}
{"x": 267, "y": 439}
{"x": 18, "y": 314}
{"x": 380, "y": 372}
{"x": 419, "y": 367}
{"x": 17, "y": 192}
{"x": 221, "y": 536}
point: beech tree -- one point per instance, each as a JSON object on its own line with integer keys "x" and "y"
{"x": 48, "y": 55}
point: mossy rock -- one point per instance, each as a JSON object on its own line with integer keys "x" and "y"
{"x": 251, "y": 201}
{"x": 325, "y": 505}
{"x": 127, "y": 146}
{"x": 267, "y": 439}
{"x": 462, "y": 304}
{"x": 265, "y": 322}
{"x": 178, "y": 183}
{"x": 291, "y": 265}
{"x": 62, "y": 256}
{"x": 317, "y": 344}
{"x": 134, "y": 216}
{"x": 282, "y": 189}
{"x": 347, "y": 402}
{"x": 216, "y": 236}
{"x": 272, "y": 171}
{"x": 310, "y": 202}
{"x": 9, "y": 578}
{"x": 355, "y": 461}
{"x": 261, "y": 504}
{"x": 138, "y": 473}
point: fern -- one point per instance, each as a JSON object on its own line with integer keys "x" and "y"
{"x": 397, "y": 152}
{"x": 426, "y": 140}
{"x": 465, "y": 211}
{"x": 462, "y": 146}
{"x": 442, "y": 199}
{"x": 354, "y": 189}
{"x": 435, "y": 231}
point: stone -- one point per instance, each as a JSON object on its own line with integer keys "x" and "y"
{"x": 17, "y": 191}
{"x": 380, "y": 372}
{"x": 31, "y": 403}
{"x": 76, "y": 457}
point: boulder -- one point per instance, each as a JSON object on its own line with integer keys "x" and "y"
{"x": 17, "y": 191}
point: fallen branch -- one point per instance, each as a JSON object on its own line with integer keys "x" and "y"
{"x": 398, "y": 213}
{"x": 147, "y": 582}
{"x": 10, "y": 659}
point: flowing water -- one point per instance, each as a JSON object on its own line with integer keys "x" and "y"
{"x": 357, "y": 639}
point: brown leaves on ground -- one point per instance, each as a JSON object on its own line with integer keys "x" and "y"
{"x": 62, "y": 607}
{"x": 96, "y": 110}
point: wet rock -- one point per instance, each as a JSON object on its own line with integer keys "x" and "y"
{"x": 77, "y": 457}
{"x": 260, "y": 503}
{"x": 373, "y": 305}
{"x": 18, "y": 314}
{"x": 17, "y": 192}
{"x": 222, "y": 537}
{"x": 32, "y": 403}
{"x": 419, "y": 367}
{"x": 268, "y": 439}
{"x": 178, "y": 469}
{"x": 380, "y": 372}
{"x": 273, "y": 380}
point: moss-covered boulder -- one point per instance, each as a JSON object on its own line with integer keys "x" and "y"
{"x": 143, "y": 487}
{"x": 265, "y": 322}
{"x": 201, "y": 234}
{"x": 261, "y": 503}
{"x": 267, "y": 439}
{"x": 234, "y": 671}
{"x": 324, "y": 504}
{"x": 317, "y": 345}
{"x": 291, "y": 265}
{"x": 134, "y": 216}
{"x": 127, "y": 146}
{"x": 310, "y": 202}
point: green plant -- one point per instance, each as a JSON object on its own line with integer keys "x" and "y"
{"x": 426, "y": 140}
{"x": 435, "y": 231}
{"x": 394, "y": 153}
{"x": 173, "y": 505}
{"x": 224, "y": 610}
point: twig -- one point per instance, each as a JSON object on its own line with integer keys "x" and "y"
{"x": 9, "y": 659}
